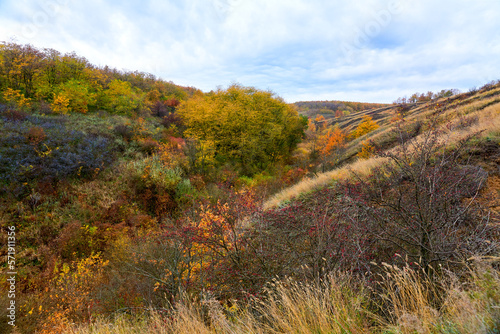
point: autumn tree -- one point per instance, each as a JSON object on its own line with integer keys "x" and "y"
{"x": 244, "y": 126}
{"x": 78, "y": 95}
{"x": 331, "y": 144}
{"x": 367, "y": 125}
{"x": 120, "y": 97}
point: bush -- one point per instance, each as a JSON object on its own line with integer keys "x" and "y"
{"x": 39, "y": 148}
{"x": 14, "y": 115}
{"x": 125, "y": 131}
{"x": 148, "y": 145}
{"x": 421, "y": 204}
{"x": 157, "y": 186}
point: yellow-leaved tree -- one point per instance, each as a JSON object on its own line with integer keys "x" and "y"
{"x": 76, "y": 93}
{"x": 244, "y": 126}
{"x": 367, "y": 125}
{"x": 120, "y": 97}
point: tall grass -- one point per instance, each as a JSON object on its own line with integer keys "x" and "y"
{"x": 334, "y": 305}
{"x": 409, "y": 301}
{"x": 418, "y": 303}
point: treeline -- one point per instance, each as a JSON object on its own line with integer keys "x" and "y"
{"x": 426, "y": 97}
{"x": 339, "y": 108}
{"x": 46, "y": 79}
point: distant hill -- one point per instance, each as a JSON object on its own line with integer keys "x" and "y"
{"x": 329, "y": 109}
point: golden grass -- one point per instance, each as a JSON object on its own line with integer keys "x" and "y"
{"x": 411, "y": 295}
{"x": 329, "y": 306}
{"x": 488, "y": 122}
{"x": 467, "y": 306}
{"x": 360, "y": 167}
{"x": 413, "y": 303}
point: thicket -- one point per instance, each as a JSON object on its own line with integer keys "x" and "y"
{"x": 242, "y": 126}
{"x": 62, "y": 83}
{"x": 34, "y": 148}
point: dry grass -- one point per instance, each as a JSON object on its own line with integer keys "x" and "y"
{"x": 465, "y": 306}
{"x": 413, "y": 303}
{"x": 329, "y": 306}
{"x": 360, "y": 167}
{"x": 411, "y": 295}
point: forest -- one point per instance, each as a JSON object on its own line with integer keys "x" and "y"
{"x": 129, "y": 204}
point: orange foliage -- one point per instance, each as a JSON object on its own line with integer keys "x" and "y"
{"x": 368, "y": 150}
{"x": 173, "y": 103}
{"x": 333, "y": 140}
{"x": 71, "y": 295}
{"x": 36, "y": 135}
{"x": 320, "y": 123}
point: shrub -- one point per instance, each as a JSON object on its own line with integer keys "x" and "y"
{"x": 36, "y": 135}
{"x": 367, "y": 149}
{"x": 16, "y": 99}
{"x": 39, "y": 148}
{"x": 125, "y": 131}
{"x": 148, "y": 145}
{"x": 14, "y": 115}
{"x": 156, "y": 185}
{"x": 160, "y": 109}
{"x": 72, "y": 295}
{"x": 421, "y": 204}
{"x": 367, "y": 125}
{"x": 312, "y": 237}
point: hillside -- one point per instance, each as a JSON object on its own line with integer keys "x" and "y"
{"x": 130, "y": 204}
{"x": 329, "y": 109}
{"x": 471, "y": 112}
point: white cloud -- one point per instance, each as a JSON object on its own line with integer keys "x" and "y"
{"x": 367, "y": 50}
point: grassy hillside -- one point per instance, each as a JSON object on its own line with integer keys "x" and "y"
{"x": 330, "y": 109}
{"x": 462, "y": 115}
{"x": 148, "y": 212}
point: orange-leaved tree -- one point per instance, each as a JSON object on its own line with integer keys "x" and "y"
{"x": 331, "y": 144}
{"x": 333, "y": 140}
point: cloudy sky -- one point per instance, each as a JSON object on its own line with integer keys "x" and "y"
{"x": 359, "y": 50}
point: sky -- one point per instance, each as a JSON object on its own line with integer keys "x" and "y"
{"x": 358, "y": 50}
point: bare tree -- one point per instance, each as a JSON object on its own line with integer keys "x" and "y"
{"x": 422, "y": 203}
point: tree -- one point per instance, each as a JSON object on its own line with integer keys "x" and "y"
{"x": 421, "y": 203}
{"x": 120, "y": 97}
{"x": 77, "y": 93}
{"x": 19, "y": 66}
{"x": 367, "y": 125}
{"x": 331, "y": 144}
{"x": 244, "y": 126}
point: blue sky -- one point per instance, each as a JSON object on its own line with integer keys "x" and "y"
{"x": 362, "y": 50}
